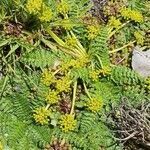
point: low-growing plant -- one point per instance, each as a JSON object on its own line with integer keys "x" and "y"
{"x": 58, "y": 76}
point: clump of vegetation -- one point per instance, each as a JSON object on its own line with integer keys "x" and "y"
{"x": 64, "y": 65}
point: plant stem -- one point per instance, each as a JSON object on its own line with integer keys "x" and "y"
{"x": 47, "y": 106}
{"x": 100, "y": 61}
{"x": 3, "y": 87}
{"x": 74, "y": 97}
{"x": 86, "y": 90}
{"x": 118, "y": 49}
{"x": 55, "y": 37}
{"x": 113, "y": 32}
{"x": 54, "y": 46}
{"x": 78, "y": 43}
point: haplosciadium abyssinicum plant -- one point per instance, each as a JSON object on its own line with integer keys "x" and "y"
{"x": 70, "y": 94}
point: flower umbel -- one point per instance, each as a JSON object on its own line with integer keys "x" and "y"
{"x": 47, "y": 77}
{"x": 136, "y": 16}
{"x": 41, "y": 115}
{"x": 92, "y": 31}
{"x": 114, "y": 22}
{"x": 63, "y": 7}
{"x": 63, "y": 84}
{"x": 139, "y": 37}
{"x": 52, "y": 97}
{"x": 67, "y": 122}
{"x": 94, "y": 104}
{"x": 34, "y": 6}
{"x": 70, "y": 41}
{"x": 132, "y": 14}
{"x": 46, "y": 14}
{"x": 80, "y": 62}
{"x": 94, "y": 74}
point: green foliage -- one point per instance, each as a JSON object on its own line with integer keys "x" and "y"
{"x": 39, "y": 58}
{"x": 56, "y": 80}
{"x": 125, "y": 76}
{"x": 136, "y": 94}
{"x": 98, "y": 48}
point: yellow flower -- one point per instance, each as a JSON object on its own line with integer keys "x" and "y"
{"x": 63, "y": 8}
{"x": 67, "y": 122}
{"x": 94, "y": 104}
{"x": 132, "y": 14}
{"x": 92, "y": 31}
{"x": 139, "y": 37}
{"x": 114, "y": 22}
{"x": 63, "y": 84}
{"x": 70, "y": 41}
{"x": 34, "y": 6}
{"x": 75, "y": 63}
{"x": 46, "y": 14}
{"x": 80, "y": 62}
{"x": 41, "y": 115}
{"x": 52, "y": 97}
{"x": 65, "y": 66}
{"x": 47, "y": 77}
{"x": 94, "y": 74}
{"x": 125, "y": 12}
{"x": 136, "y": 16}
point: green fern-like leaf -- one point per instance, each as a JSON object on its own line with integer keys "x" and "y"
{"x": 80, "y": 73}
{"x": 87, "y": 122}
{"x": 17, "y": 130}
{"x": 21, "y": 107}
{"x": 124, "y": 76}
{"x": 99, "y": 50}
{"x": 40, "y": 134}
{"x": 39, "y": 58}
{"x": 73, "y": 138}
{"x": 135, "y": 94}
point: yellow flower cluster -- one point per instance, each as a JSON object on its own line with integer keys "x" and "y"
{"x": 139, "y": 37}
{"x": 34, "y": 6}
{"x": 63, "y": 84}
{"x": 47, "y": 77}
{"x": 39, "y": 8}
{"x": 63, "y": 7}
{"x": 80, "y": 62}
{"x": 114, "y": 22}
{"x": 75, "y": 63}
{"x": 46, "y": 14}
{"x": 41, "y": 115}
{"x": 70, "y": 41}
{"x": 92, "y": 31}
{"x": 67, "y": 122}
{"x": 94, "y": 104}
{"x": 132, "y": 14}
{"x": 52, "y": 97}
{"x": 94, "y": 74}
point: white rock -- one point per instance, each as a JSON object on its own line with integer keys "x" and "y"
{"x": 141, "y": 61}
